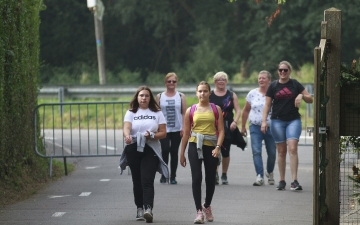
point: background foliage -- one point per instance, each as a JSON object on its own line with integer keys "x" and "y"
{"x": 19, "y": 69}
{"x": 145, "y": 39}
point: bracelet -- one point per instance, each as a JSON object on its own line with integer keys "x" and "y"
{"x": 217, "y": 146}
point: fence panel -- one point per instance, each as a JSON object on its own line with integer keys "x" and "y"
{"x": 79, "y": 129}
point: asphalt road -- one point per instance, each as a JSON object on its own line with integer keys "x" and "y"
{"x": 95, "y": 193}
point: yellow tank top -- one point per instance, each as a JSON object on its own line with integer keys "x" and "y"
{"x": 204, "y": 123}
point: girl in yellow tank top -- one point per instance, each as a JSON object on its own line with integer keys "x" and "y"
{"x": 204, "y": 146}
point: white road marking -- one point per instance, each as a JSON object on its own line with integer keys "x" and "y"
{"x": 85, "y": 194}
{"x": 58, "y": 145}
{"x": 58, "y": 214}
{"x": 108, "y": 147}
{"x": 58, "y": 196}
{"x": 104, "y": 179}
{"x": 91, "y": 167}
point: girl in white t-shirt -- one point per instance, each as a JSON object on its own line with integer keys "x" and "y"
{"x": 144, "y": 125}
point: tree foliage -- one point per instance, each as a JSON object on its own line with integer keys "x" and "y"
{"x": 19, "y": 60}
{"x": 195, "y": 38}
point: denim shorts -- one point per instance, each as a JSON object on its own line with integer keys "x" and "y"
{"x": 284, "y": 130}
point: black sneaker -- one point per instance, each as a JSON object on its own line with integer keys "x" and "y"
{"x": 148, "y": 214}
{"x": 140, "y": 214}
{"x": 224, "y": 179}
{"x": 173, "y": 181}
{"x": 295, "y": 186}
{"x": 162, "y": 179}
{"x": 281, "y": 186}
{"x": 217, "y": 178}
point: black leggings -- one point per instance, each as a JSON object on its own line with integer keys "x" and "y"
{"x": 171, "y": 144}
{"x": 143, "y": 166}
{"x": 210, "y": 164}
{"x": 225, "y": 148}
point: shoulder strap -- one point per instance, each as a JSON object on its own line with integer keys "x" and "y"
{"x": 215, "y": 111}
{"x": 216, "y": 114}
{"x": 191, "y": 114}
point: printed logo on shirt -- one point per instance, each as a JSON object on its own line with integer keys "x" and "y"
{"x": 146, "y": 117}
{"x": 284, "y": 93}
{"x": 170, "y": 113}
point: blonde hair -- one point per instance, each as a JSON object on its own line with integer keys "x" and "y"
{"x": 172, "y": 74}
{"x": 268, "y": 74}
{"x": 287, "y": 64}
{"x": 220, "y": 74}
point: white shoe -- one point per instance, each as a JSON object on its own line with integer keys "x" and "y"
{"x": 259, "y": 181}
{"x": 270, "y": 177}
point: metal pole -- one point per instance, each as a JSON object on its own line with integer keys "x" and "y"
{"x": 99, "y": 35}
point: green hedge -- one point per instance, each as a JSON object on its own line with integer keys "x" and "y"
{"x": 19, "y": 60}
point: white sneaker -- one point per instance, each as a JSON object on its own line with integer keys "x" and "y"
{"x": 270, "y": 177}
{"x": 259, "y": 181}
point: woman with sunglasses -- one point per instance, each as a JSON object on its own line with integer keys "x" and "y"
{"x": 144, "y": 126}
{"x": 228, "y": 102}
{"x": 285, "y": 96}
{"x": 173, "y": 106}
{"x": 204, "y": 147}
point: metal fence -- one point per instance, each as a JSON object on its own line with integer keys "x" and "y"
{"x": 83, "y": 129}
{"x": 94, "y": 129}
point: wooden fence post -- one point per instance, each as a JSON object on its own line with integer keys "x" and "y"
{"x": 333, "y": 18}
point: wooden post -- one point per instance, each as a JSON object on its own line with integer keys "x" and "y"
{"x": 316, "y": 159}
{"x": 333, "y": 18}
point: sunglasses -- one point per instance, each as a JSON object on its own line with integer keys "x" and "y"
{"x": 283, "y": 70}
{"x": 171, "y": 81}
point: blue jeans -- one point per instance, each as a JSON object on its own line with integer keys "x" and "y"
{"x": 285, "y": 130}
{"x": 256, "y": 137}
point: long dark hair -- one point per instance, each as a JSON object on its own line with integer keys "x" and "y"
{"x": 134, "y": 104}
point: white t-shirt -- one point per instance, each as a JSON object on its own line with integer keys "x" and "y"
{"x": 143, "y": 120}
{"x": 171, "y": 108}
{"x": 257, "y": 102}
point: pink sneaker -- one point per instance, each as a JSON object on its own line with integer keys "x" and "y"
{"x": 208, "y": 213}
{"x": 199, "y": 217}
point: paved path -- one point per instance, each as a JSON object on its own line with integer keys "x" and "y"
{"x": 95, "y": 193}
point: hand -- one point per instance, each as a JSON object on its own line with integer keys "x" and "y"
{"x": 233, "y": 125}
{"x": 264, "y": 127}
{"x": 182, "y": 160}
{"x": 216, "y": 152}
{"x": 298, "y": 100}
{"x": 243, "y": 132}
{"x": 147, "y": 135}
{"x": 128, "y": 139}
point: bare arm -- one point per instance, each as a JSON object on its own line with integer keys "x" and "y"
{"x": 127, "y": 131}
{"x": 157, "y": 99}
{"x": 185, "y": 137}
{"x": 267, "y": 106}
{"x": 237, "y": 109}
{"x": 245, "y": 115}
{"x": 183, "y": 111}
